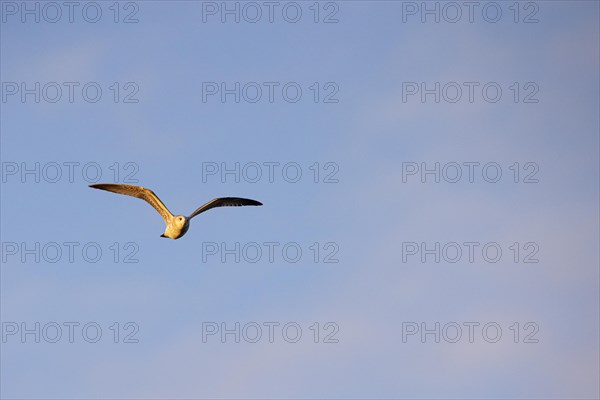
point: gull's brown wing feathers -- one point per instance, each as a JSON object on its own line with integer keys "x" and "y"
{"x": 225, "y": 202}
{"x": 139, "y": 192}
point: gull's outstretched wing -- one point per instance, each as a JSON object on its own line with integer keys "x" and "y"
{"x": 140, "y": 193}
{"x": 225, "y": 202}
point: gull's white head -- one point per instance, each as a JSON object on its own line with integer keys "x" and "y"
{"x": 179, "y": 221}
{"x": 177, "y": 228}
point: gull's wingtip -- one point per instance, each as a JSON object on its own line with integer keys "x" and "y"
{"x": 252, "y": 202}
{"x": 103, "y": 186}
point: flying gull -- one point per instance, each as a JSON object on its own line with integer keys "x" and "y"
{"x": 177, "y": 225}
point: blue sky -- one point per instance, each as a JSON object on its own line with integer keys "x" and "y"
{"x": 365, "y": 216}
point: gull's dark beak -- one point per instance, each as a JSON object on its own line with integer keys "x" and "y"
{"x": 163, "y": 235}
